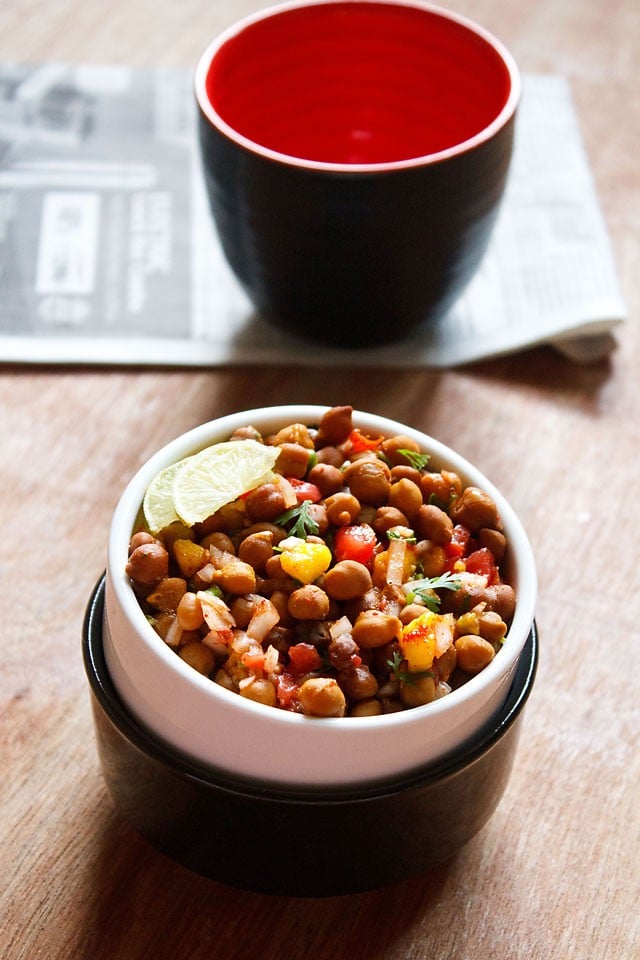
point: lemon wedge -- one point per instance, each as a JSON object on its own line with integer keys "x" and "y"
{"x": 157, "y": 505}
{"x": 219, "y": 475}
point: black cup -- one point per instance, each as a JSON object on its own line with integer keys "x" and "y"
{"x": 355, "y": 155}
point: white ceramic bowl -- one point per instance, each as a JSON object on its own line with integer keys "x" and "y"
{"x": 250, "y": 740}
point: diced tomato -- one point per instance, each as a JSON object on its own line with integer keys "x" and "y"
{"x": 286, "y": 690}
{"x": 355, "y": 542}
{"x": 482, "y": 561}
{"x": 303, "y": 657}
{"x": 253, "y": 661}
{"x": 357, "y": 442}
{"x": 305, "y": 490}
{"x": 457, "y": 546}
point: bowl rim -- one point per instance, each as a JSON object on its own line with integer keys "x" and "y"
{"x": 196, "y": 771}
{"x": 500, "y": 121}
{"x": 270, "y": 418}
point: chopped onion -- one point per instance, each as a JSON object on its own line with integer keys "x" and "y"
{"x": 271, "y": 659}
{"x": 289, "y": 494}
{"x": 174, "y": 634}
{"x": 340, "y": 627}
{"x": 395, "y": 561}
{"x": 263, "y": 620}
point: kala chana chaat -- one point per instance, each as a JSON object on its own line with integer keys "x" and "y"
{"x": 323, "y": 571}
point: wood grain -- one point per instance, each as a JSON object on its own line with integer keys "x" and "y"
{"x": 555, "y": 872}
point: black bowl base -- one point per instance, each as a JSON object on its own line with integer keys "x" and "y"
{"x": 313, "y": 842}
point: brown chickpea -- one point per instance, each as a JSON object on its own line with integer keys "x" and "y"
{"x": 236, "y": 576}
{"x": 293, "y": 433}
{"x": 242, "y": 609}
{"x": 293, "y": 460}
{"x": 198, "y": 656}
{"x": 502, "y": 599}
{"x": 260, "y": 690}
{"x": 140, "y": 538}
{"x": 177, "y": 530}
{"x": 440, "y": 486}
{"x": 263, "y": 526}
{"x": 273, "y": 568}
{"x": 246, "y": 433}
{"x": 418, "y": 692}
{"x": 432, "y": 523}
{"x": 392, "y": 446}
{"x": 492, "y": 627}
{"x": 314, "y": 632}
{"x": 406, "y": 496}
{"x": 373, "y": 628}
{"x": 454, "y": 482}
{"x": 266, "y": 502}
{"x": 330, "y": 455}
{"x": 335, "y": 426}
{"x": 342, "y": 509}
{"x": 308, "y": 603}
{"x": 342, "y": 650}
{"x": 473, "y": 653}
{"x": 219, "y": 540}
{"x": 410, "y": 612}
{"x": 189, "y": 612}
{"x": 280, "y": 637}
{"x": 167, "y": 594}
{"x": 163, "y": 622}
{"x": 358, "y": 683}
{"x": 224, "y": 680}
{"x": 369, "y": 480}
{"x": 432, "y": 557}
{"x": 256, "y": 549}
{"x": 327, "y": 478}
{"x": 475, "y": 509}
{"x": 366, "y": 708}
{"x": 367, "y": 514}
{"x": 318, "y": 513}
{"x": 402, "y": 471}
{"x": 347, "y": 580}
{"x": 493, "y": 540}
{"x": 388, "y": 517}
{"x": 322, "y": 697}
{"x": 148, "y": 563}
{"x": 280, "y": 600}
{"x": 232, "y": 516}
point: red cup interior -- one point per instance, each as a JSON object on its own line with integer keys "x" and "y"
{"x": 358, "y": 82}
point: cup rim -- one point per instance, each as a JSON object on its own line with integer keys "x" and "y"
{"x": 213, "y": 117}
{"x": 128, "y": 508}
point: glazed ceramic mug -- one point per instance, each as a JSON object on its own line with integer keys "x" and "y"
{"x": 355, "y": 153}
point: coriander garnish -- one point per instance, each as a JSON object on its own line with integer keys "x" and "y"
{"x": 302, "y": 523}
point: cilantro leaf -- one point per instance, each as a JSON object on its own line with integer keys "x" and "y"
{"x": 421, "y": 589}
{"x": 417, "y": 460}
{"x": 298, "y": 521}
{"x": 405, "y": 676}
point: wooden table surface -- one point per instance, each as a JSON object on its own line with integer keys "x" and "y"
{"x": 555, "y": 873}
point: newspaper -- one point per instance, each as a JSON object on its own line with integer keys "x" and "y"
{"x": 108, "y": 254}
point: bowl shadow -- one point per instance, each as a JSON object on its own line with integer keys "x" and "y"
{"x": 141, "y": 904}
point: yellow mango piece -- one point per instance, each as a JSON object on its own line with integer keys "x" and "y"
{"x": 190, "y": 557}
{"x": 304, "y": 560}
{"x": 425, "y": 638}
